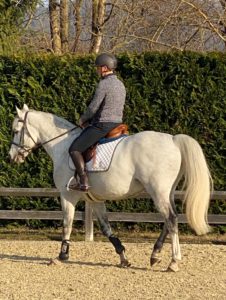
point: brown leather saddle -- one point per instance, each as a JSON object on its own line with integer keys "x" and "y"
{"x": 114, "y": 133}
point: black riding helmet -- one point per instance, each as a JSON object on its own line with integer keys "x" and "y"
{"x": 106, "y": 59}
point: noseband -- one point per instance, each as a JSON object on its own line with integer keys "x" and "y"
{"x": 25, "y": 149}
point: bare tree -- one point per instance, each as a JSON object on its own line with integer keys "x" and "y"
{"x": 165, "y": 25}
{"x": 64, "y": 25}
{"x": 98, "y": 14}
{"x": 222, "y": 20}
{"x": 131, "y": 25}
{"x": 207, "y": 18}
{"x": 77, "y": 4}
{"x": 54, "y": 26}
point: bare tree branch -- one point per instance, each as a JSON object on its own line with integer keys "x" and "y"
{"x": 207, "y": 20}
{"x": 122, "y": 25}
{"x": 163, "y": 26}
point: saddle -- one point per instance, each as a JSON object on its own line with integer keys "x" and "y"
{"x": 114, "y": 133}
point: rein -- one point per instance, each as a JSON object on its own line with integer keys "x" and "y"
{"x": 28, "y": 149}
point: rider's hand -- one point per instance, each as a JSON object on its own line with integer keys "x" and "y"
{"x": 82, "y": 123}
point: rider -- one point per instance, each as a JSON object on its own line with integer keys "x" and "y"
{"x": 104, "y": 113}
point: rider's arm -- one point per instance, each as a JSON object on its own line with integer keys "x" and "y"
{"x": 95, "y": 103}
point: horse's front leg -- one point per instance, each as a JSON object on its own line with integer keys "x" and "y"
{"x": 68, "y": 203}
{"x": 101, "y": 214}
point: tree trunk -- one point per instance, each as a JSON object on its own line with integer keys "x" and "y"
{"x": 77, "y": 23}
{"x": 223, "y": 23}
{"x": 54, "y": 26}
{"x": 98, "y": 13}
{"x": 64, "y": 25}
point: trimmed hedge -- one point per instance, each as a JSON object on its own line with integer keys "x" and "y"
{"x": 173, "y": 93}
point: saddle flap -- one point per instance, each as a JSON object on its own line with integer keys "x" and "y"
{"x": 102, "y": 156}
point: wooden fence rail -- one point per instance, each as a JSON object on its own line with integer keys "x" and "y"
{"x": 87, "y": 215}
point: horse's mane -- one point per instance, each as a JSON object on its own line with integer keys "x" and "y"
{"x": 61, "y": 122}
{"x": 58, "y": 121}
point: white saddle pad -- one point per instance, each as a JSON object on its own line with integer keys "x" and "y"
{"x": 103, "y": 158}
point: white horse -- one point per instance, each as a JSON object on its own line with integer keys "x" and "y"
{"x": 147, "y": 161}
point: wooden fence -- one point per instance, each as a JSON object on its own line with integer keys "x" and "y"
{"x": 87, "y": 215}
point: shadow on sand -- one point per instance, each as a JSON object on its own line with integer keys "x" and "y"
{"x": 46, "y": 261}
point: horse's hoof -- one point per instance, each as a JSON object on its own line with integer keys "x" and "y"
{"x": 154, "y": 261}
{"x": 125, "y": 264}
{"x": 64, "y": 252}
{"x": 173, "y": 267}
{"x": 63, "y": 256}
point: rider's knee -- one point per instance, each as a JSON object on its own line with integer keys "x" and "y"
{"x": 71, "y": 150}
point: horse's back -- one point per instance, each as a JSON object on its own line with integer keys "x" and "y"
{"x": 156, "y": 159}
{"x": 148, "y": 143}
{"x": 148, "y": 150}
{"x": 151, "y": 154}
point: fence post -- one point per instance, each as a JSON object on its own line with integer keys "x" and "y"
{"x": 88, "y": 222}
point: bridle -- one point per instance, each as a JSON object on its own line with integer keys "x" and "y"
{"x": 25, "y": 149}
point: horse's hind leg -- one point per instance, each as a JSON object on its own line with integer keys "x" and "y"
{"x": 101, "y": 214}
{"x": 172, "y": 226}
{"x": 155, "y": 259}
{"x": 168, "y": 211}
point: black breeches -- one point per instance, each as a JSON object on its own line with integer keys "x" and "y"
{"x": 90, "y": 136}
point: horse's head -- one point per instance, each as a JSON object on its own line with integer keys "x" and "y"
{"x": 23, "y": 142}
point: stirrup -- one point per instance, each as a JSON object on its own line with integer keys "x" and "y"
{"x": 81, "y": 188}
{"x": 76, "y": 186}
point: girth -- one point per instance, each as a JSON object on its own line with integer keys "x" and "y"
{"x": 114, "y": 133}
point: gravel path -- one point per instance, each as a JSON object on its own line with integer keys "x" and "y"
{"x": 92, "y": 272}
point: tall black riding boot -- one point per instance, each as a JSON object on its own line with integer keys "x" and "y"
{"x": 79, "y": 163}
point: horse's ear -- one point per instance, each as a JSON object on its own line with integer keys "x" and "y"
{"x": 19, "y": 112}
{"x": 25, "y": 108}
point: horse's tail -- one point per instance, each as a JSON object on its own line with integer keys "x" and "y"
{"x": 197, "y": 184}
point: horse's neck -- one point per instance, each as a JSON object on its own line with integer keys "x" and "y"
{"x": 50, "y": 130}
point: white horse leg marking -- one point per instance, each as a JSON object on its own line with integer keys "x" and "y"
{"x": 173, "y": 231}
{"x": 176, "y": 253}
